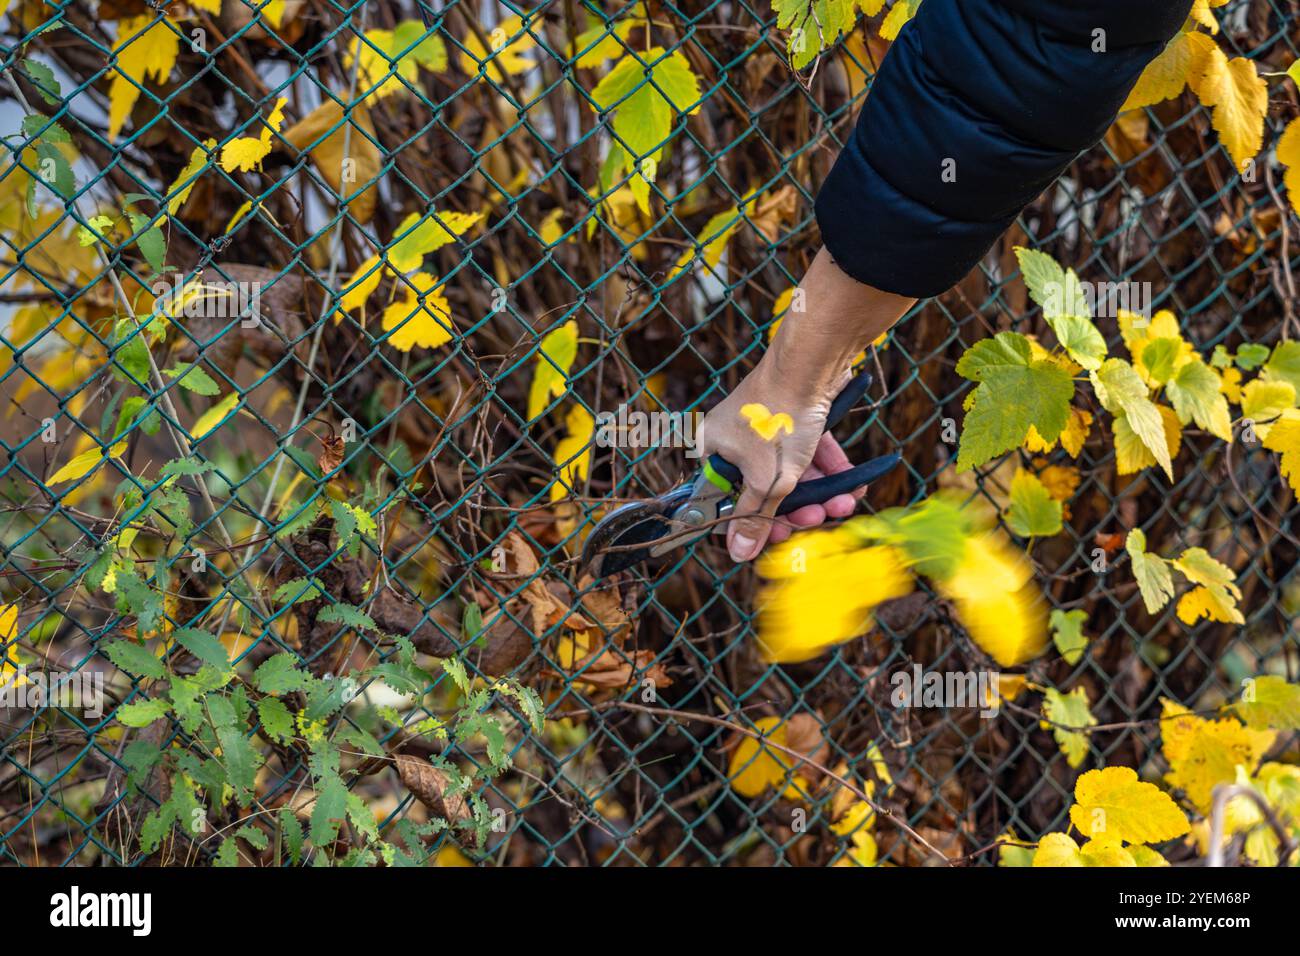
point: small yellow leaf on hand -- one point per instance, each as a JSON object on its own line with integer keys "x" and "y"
{"x": 85, "y": 463}
{"x": 426, "y": 325}
{"x": 554, "y": 359}
{"x": 766, "y": 424}
{"x": 210, "y": 419}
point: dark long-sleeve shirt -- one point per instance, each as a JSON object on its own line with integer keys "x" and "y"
{"x": 1001, "y": 95}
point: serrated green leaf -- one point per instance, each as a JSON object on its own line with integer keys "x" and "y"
{"x": 1195, "y": 394}
{"x": 281, "y": 675}
{"x": 1270, "y": 703}
{"x": 204, "y": 646}
{"x": 293, "y": 835}
{"x": 296, "y": 591}
{"x": 348, "y": 615}
{"x": 195, "y": 379}
{"x": 1155, "y": 580}
{"x": 328, "y": 812}
{"x": 277, "y": 722}
{"x": 1067, "y": 633}
{"x": 142, "y": 713}
{"x": 1070, "y": 711}
{"x": 136, "y": 659}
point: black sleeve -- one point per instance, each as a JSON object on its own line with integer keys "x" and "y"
{"x": 1002, "y": 94}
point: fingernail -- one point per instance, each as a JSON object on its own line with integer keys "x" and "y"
{"x": 742, "y": 548}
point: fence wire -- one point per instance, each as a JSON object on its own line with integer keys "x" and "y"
{"x": 487, "y": 125}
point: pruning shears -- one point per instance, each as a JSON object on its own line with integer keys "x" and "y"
{"x": 641, "y": 530}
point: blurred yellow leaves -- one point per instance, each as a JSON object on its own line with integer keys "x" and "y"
{"x": 246, "y": 153}
{"x": 1214, "y": 595}
{"x": 81, "y": 465}
{"x": 509, "y": 42}
{"x": 820, "y": 588}
{"x": 555, "y": 357}
{"x": 147, "y": 47}
{"x": 764, "y": 423}
{"x": 213, "y": 417}
{"x": 184, "y": 182}
{"x": 1284, "y": 437}
{"x": 997, "y": 600}
{"x": 416, "y": 236}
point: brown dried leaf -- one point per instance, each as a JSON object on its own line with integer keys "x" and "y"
{"x": 356, "y": 193}
{"x": 429, "y": 785}
{"x": 331, "y": 455}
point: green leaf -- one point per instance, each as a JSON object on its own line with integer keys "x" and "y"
{"x": 1284, "y": 364}
{"x": 1015, "y": 391}
{"x": 151, "y": 242}
{"x": 1034, "y": 512}
{"x": 134, "y": 658}
{"x": 348, "y": 615}
{"x": 291, "y": 830}
{"x": 644, "y": 110}
{"x": 54, "y": 170}
{"x": 1159, "y": 357}
{"x": 195, "y": 379}
{"x": 1194, "y": 392}
{"x": 1251, "y": 356}
{"x": 1080, "y": 339}
{"x": 933, "y": 533}
{"x": 814, "y": 26}
{"x": 130, "y": 353}
{"x": 204, "y": 646}
{"x": 240, "y": 760}
{"x": 328, "y": 812}
{"x": 456, "y": 670}
{"x": 1043, "y": 277}
{"x": 1121, "y": 391}
{"x": 42, "y": 78}
{"x": 1067, "y": 634}
{"x": 281, "y": 675}
{"x": 277, "y": 722}
{"x": 1070, "y": 710}
{"x": 131, "y": 409}
{"x": 297, "y": 590}
{"x": 142, "y": 713}
{"x": 1155, "y": 580}
{"x": 1270, "y": 703}
{"x": 185, "y": 466}
{"x": 255, "y": 837}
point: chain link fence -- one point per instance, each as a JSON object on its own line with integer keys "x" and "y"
{"x": 425, "y": 206}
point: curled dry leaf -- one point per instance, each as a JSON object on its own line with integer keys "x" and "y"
{"x": 429, "y": 785}
{"x": 331, "y": 454}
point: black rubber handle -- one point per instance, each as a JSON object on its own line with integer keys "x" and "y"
{"x": 849, "y": 396}
{"x": 823, "y": 489}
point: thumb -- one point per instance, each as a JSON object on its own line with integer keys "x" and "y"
{"x": 751, "y": 521}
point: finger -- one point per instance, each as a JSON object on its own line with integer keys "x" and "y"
{"x": 832, "y": 459}
{"x": 751, "y": 521}
{"x": 780, "y": 532}
{"x": 842, "y": 506}
{"x": 809, "y": 516}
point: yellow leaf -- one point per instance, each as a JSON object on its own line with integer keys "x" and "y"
{"x": 573, "y": 452}
{"x": 1230, "y": 384}
{"x": 554, "y": 359}
{"x": 1284, "y": 438}
{"x": 509, "y": 44}
{"x": 1202, "y": 753}
{"x": 1238, "y": 98}
{"x": 1263, "y": 400}
{"x": 366, "y": 280}
{"x": 183, "y": 182}
{"x": 246, "y": 152}
{"x": 898, "y": 15}
{"x": 10, "y": 675}
{"x": 1067, "y": 716}
{"x": 421, "y": 318}
{"x": 1132, "y": 454}
{"x": 550, "y": 231}
{"x": 361, "y": 161}
{"x": 754, "y": 767}
{"x": 1114, "y": 804}
{"x": 819, "y": 590}
{"x": 210, "y": 419}
{"x": 766, "y": 424}
{"x": 85, "y": 463}
{"x": 997, "y": 600}
{"x": 1057, "y": 850}
{"x": 1200, "y": 13}
{"x": 147, "y": 47}
{"x": 863, "y": 853}
{"x": 421, "y": 233}
{"x": 1288, "y": 154}
{"x": 1165, "y": 76}
{"x": 1217, "y": 594}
